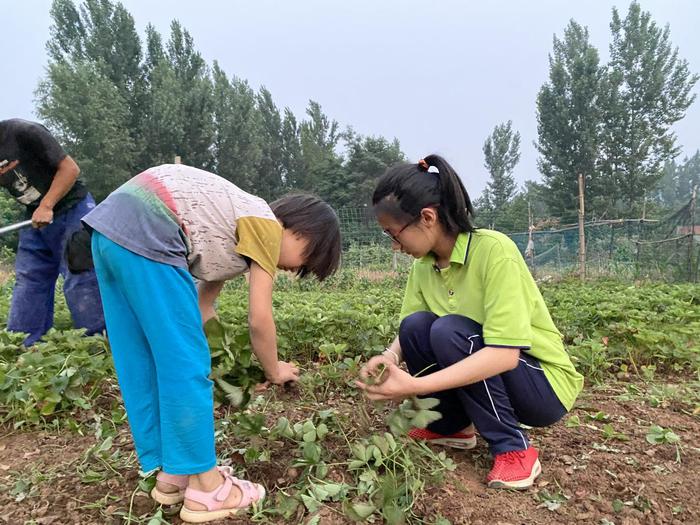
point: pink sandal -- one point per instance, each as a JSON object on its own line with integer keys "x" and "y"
{"x": 170, "y": 498}
{"x": 214, "y": 500}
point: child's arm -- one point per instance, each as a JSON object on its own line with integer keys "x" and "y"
{"x": 208, "y": 292}
{"x": 263, "y": 335}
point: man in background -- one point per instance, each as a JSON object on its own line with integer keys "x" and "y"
{"x": 36, "y": 171}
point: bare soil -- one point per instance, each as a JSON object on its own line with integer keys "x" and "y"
{"x": 587, "y": 477}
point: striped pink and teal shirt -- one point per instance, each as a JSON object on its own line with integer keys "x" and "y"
{"x": 187, "y": 217}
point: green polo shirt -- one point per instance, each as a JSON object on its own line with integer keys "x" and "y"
{"x": 489, "y": 282}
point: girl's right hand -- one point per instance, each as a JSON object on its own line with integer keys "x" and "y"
{"x": 372, "y": 368}
{"x": 387, "y": 384}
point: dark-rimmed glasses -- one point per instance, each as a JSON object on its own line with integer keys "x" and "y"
{"x": 395, "y": 237}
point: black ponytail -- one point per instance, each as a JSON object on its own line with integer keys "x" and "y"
{"x": 405, "y": 189}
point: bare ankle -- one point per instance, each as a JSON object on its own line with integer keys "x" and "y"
{"x": 206, "y": 481}
{"x": 167, "y": 487}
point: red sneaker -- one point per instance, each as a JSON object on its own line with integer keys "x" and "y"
{"x": 516, "y": 469}
{"x": 456, "y": 440}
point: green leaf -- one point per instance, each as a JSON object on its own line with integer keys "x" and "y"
{"x": 381, "y": 443}
{"x": 398, "y": 424}
{"x": 48, "y": 409}
{"x": 393, "y": 515}
{"x": 310, "y": 503}
{"x": 321, "y": 431}
{"x": 314, "y": 520}
{"x": 425, "y": 403}
{"x": 311, "y": 452}
{"x": 425, "y": 417}
{"x": 358, "y": 511}
{"x": 214, "y": 331}
{"x": 234, "y": 394}
{"x": 356, "y": 463}
{"x": 573, "y": 421}
{"x": 283, "y": 428}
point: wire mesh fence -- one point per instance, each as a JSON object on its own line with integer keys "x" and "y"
{"x": 667, "y": 249}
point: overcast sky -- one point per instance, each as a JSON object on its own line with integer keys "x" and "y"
{"x": 436, "y": 75}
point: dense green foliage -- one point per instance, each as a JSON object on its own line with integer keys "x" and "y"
{"x": 501, "y": 155}
{"x": 335, "y": 446}
{"x": 607, "y": 327}
{"x": 120, "y": 105}
{"x": 611, "y": 123}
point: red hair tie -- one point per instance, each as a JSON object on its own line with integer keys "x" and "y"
{"x": 427, "y": 168}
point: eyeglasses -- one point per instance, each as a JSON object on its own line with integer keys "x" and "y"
{"x": 395, "y": 237}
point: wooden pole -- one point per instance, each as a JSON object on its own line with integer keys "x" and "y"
{"x": 581, "y": 230}
{"x": 178, "y": 159}
{"x": 530, "y": 240}
{"x": 691, "y": 245}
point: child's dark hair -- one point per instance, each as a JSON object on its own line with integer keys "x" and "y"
{"x": 405, "y": 189}
{"x": 314, "y": 220}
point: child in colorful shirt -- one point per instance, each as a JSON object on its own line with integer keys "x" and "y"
{"x": 150, "y": 238}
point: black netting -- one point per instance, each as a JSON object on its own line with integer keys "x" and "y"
{"x": 627, "y": 248}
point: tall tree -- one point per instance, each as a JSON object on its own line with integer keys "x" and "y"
{"x": 100, "y": 32}
{"x": 501, "y": 155}
{"x": 120, "y": 108}
{"x": 568, "y": 122}
{"x": 678, "y": 181}
{"x": 292, "y": 155}
{"x": 162, "y": 129}
{"x": 319, "y": 137}
{"x": 647, "y": 89}
{"x": 271, "y": 165}
{"x": 93, "y": 85}
{"x": 90, "y": 118}
{"x": 689, "y": 176}
{"x": 237, "y": 148}
{"x": 195, "y": 93}
{"x": 513, "y": 216}
{"x": 367, "y": 159}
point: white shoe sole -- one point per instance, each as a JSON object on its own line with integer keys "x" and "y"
{"x": 520, "y": 484}
{"x": 461, "y": 444}
{"x": 167, "y": 498}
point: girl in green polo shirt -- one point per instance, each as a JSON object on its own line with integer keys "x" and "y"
{"x": 475, "y": 332}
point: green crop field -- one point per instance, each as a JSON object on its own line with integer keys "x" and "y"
{"x": 326, "y": 455}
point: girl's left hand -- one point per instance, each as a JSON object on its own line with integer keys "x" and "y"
{"x": 396, "y": 385}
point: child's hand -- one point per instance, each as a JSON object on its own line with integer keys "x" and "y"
{"x": 285, "y": 372}
{"x": 395, "y": 384}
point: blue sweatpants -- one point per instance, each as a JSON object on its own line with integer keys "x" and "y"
{"x": 161, "y": 357}
{"x": 430, "y": 343}
{"x": 40, "y": 259}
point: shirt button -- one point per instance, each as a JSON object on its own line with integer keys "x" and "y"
{"x": 450, "y": 293}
